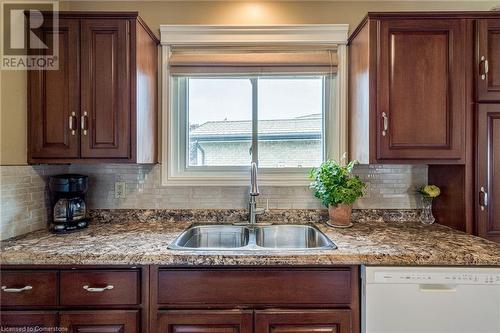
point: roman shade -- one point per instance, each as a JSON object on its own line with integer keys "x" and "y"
{"x": 314, "y": 59}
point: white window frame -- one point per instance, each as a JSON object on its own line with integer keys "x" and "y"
{"x": 173, "y": 173}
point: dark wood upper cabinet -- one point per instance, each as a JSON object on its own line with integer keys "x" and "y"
{"x": 94, "y": 108}
{"x": 488, "y": 172}
{"x": 205, "y": 321}
{"x": 303, "y": 321}
{"x": 488, "y": 60}
{"x": 407, "y": 96}
{"x": 105, "y": 80}
{"x": 54, "y": 97}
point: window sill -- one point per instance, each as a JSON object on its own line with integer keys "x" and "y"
{"x": 281, "y": 178}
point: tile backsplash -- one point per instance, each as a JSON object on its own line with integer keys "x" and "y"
{"x": 24, "y": 200}
{"x": 389, "y": 186}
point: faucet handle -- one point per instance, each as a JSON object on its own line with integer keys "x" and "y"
{"x": 259, "y": 211}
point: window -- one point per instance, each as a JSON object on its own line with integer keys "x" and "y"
{"x": 228, "y": 106}
{"x": 281, "y": 128}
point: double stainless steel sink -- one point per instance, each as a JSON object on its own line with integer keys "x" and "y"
{"x": 252, "y": 237}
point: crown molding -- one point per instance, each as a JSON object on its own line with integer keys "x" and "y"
{"x": 258, "y": 34}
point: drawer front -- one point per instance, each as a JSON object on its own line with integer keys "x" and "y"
{"x": 100, "y": 321}
{"x": 301, "y": 321}
{"x": 27, "y": 288}
{"x": 246, "y": 286}
{"x": 27, "y": 321}
{"x": 100, "y": 287}
{"x": 205, "y": 321}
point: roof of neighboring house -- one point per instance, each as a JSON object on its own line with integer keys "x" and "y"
{"x": 304, "y": 127}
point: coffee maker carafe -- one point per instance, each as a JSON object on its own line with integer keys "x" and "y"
{"x": 68, "y": 207}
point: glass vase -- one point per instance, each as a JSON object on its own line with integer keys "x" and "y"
{"x": 426, "y": 216}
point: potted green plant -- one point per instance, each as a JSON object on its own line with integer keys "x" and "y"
{"x": 337, "y": 188}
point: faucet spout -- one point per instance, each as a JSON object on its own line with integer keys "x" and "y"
{"x": 253, "y": 211}
{"x": 254, "y": 186}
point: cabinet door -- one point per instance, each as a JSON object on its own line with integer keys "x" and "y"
{"x": 488, "y": 60}
{"x": 27, "y": 321}
{"x": 54, "y": 98}
{"x": 488, "y": 169}
{"x": 119, "y": 321}
{"x": 303, "y": 321}
{"x": 105, "y": 88}
{"x": 198, "y": 321}
{"x": 421, "y": 90}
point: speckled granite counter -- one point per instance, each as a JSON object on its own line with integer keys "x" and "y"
{"x": 145, "y": 242}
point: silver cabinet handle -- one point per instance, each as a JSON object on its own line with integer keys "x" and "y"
{"x": 483, "y": 198}
{"x": 16, "y": 290}
{"x": 486, "y": 68}
{"x": 72, "y": 123}
{"x": 385, "y": 118}
{"x": 98, "y": 290}
{"x": 83, "y": 122}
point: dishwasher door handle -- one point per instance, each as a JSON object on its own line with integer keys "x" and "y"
{"x": 437, "y": 288}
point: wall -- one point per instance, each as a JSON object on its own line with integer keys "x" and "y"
{"x": 13, "y": 83}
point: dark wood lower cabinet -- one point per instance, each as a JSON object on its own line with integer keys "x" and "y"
{"x": 205, "y": 321}
{"x": 113, "y": 321}
{"x": 255, "y": 300}
{"x": 27, "y": 321}
{"x": 152, "y": 299}
{"x": 488, "y": 172}
{"x": 95, "y": 321}
{"x": 259, "y": 321}
{"x": 303, "y": 321}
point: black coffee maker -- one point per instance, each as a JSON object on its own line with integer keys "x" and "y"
{"x": 67, "y": 201}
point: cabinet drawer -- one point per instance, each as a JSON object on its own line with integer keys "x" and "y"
{"x": 27, "y": 321}
{"x": 205, "y": 321}
{"x": 246, "y": 286}
{"x": 100, "y": 287}
{"x": 300, "y": 321}
{"x": 28, "y": 288}
{"x": 103, "y": 321}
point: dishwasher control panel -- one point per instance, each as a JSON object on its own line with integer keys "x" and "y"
{"x": 400, "y": 277}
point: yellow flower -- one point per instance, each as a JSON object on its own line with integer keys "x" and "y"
{"x": 431, "y": 191}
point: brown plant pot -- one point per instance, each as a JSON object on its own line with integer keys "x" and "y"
{"x": 340, "y": 216}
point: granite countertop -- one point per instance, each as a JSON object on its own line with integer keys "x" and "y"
{"x": 145, "y": 242}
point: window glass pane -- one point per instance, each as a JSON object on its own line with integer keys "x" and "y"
{"x": 220, "y": 121}
{"x": 290, "y": 122}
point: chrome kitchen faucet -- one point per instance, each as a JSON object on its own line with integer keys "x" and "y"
{"x": 253, "y": 211}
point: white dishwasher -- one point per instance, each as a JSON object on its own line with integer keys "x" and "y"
{"x": 430, "y": 300}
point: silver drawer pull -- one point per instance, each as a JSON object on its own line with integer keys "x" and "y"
{"x": 16, "y": 290}
{"x": 98, "y": 290}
